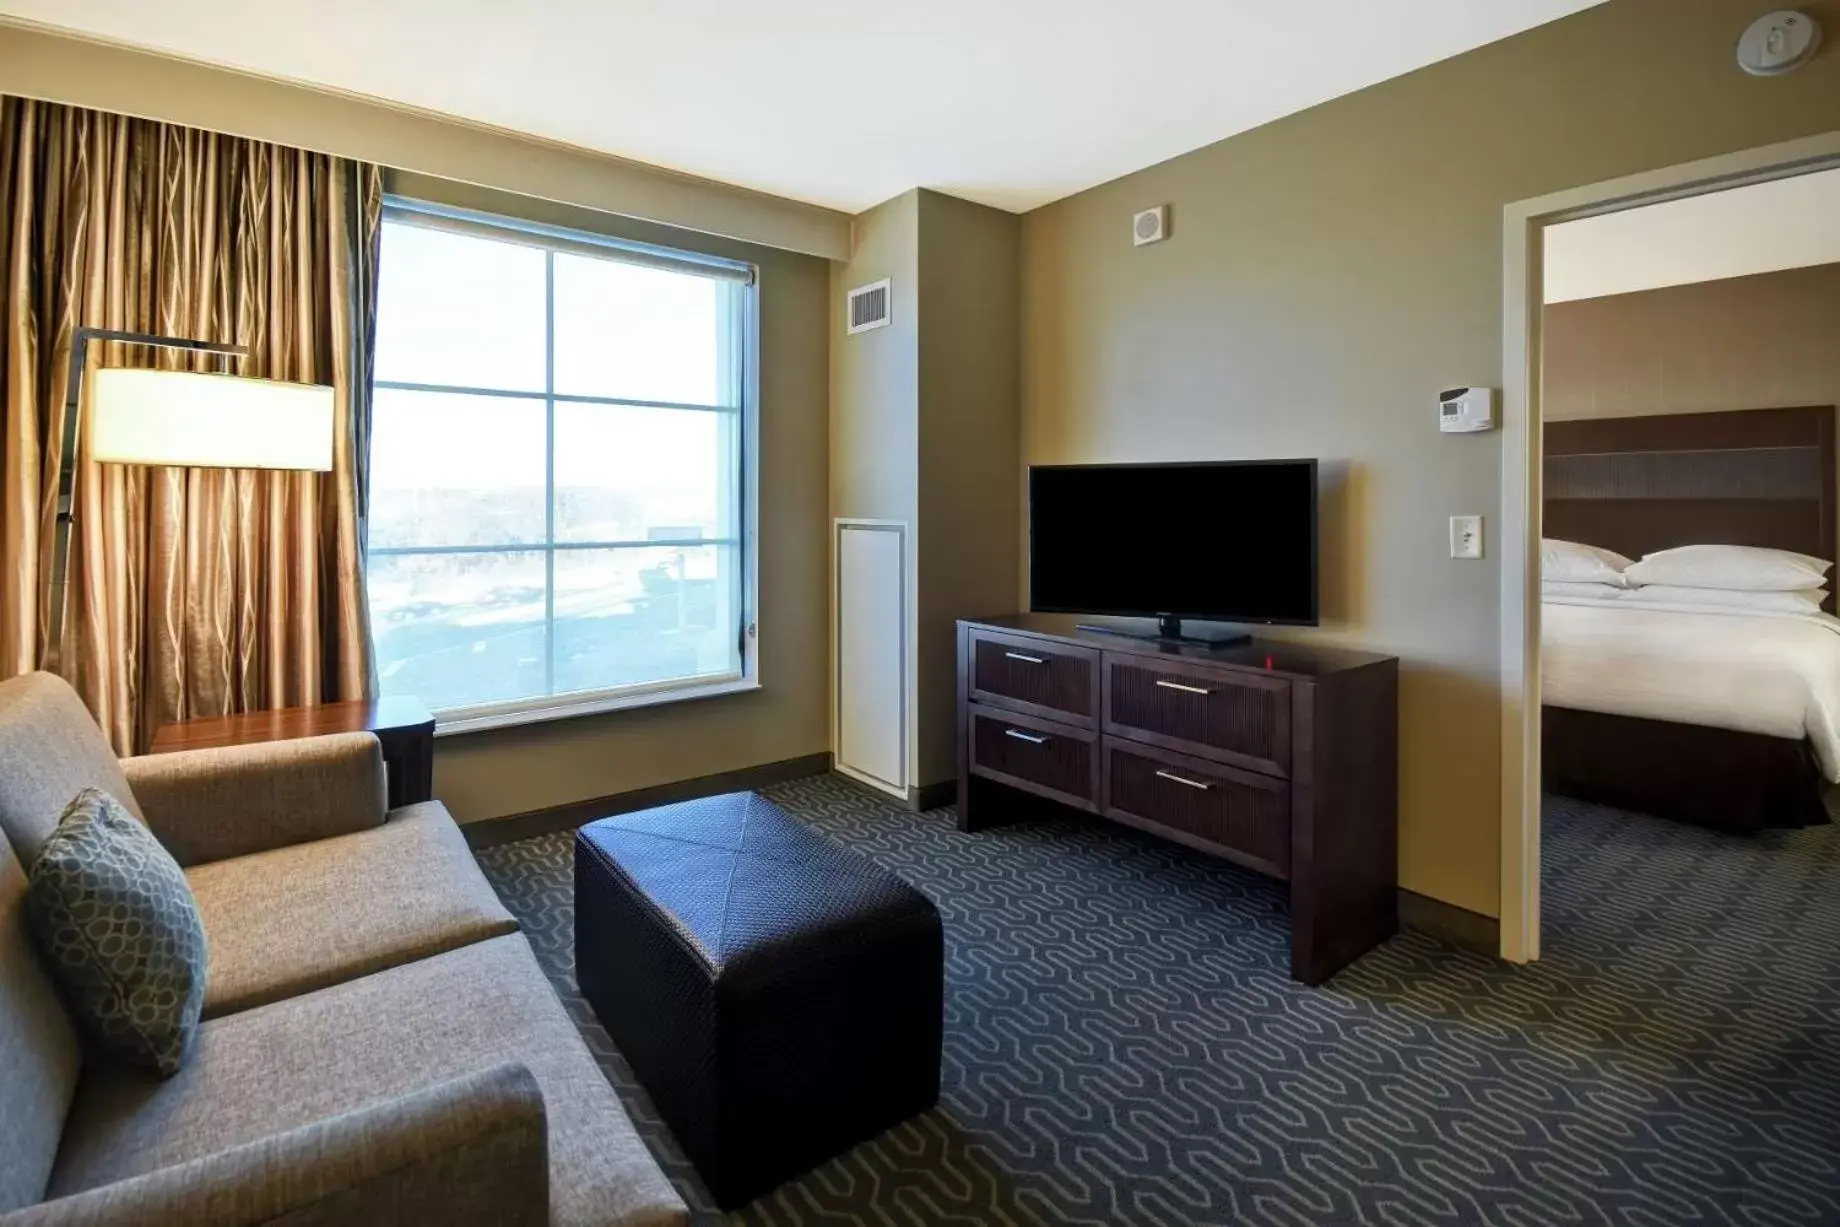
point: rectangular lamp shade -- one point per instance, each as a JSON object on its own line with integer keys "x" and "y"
{"x": 187, "y": 419}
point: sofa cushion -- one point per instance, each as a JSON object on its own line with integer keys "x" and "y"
{"x": 118, "y": 928}
{"x": 283, "y": 1065}
{"x": 51, "y": 750}
{"x": 468, "y": 1152}
{"x": 299, "y": 918}
{"x": 39, "y": 1056}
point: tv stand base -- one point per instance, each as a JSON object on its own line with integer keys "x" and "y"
{"x": 1170, "y": 630}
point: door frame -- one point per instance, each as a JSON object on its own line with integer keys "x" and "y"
{"x": 1523, "y": 301}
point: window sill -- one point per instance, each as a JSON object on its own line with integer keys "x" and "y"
{"x": 568, "y": 707}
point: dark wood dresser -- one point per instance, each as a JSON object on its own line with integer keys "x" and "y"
{"x": 1281, "y": 757}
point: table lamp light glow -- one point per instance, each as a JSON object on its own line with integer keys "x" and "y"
{"x": 185, "y": 418}
{"x": 179, "y": 418}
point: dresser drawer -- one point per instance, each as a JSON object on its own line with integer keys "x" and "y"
{"x": 1234, "y": 717}
{"x": 1241, "y": 815}
{"x": 1060, "y": 681}
{"x": 1040, "y": 756}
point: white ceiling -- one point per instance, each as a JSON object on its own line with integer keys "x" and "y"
{"x": 1763, "y": 228}
{"x": 1011, "y": 102}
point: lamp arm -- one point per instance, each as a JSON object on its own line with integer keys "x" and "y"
{"x": 67, "y": 460}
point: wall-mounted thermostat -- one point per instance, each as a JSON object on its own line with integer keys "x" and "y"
{"x": 1466, "y": 409}
{"x": 1150, "y": 226}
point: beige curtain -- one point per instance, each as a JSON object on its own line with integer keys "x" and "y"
{"x": 193, "y": 592}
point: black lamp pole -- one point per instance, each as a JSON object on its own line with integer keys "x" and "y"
{"x": 67, "y": 462}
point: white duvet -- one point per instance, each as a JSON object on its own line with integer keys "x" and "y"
{"x": 1769, "y": 673}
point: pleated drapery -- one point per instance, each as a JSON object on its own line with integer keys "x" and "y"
{"x": 193, "y": 592}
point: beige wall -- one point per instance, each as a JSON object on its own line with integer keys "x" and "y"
{"x": 875, "y": 375}
{"x": 970, "y": 505}
{"x": 491, "y": 774}
{"x": 36, "y": 63}
{"x": 1327, "y": 275}
{"x": 875, "y": 391}
{"x": 1763, "y": 342}
{"x": 924, "y": 429}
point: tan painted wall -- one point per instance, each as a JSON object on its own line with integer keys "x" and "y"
{"x": 37, "y": 63}
{"x": 875, "y": 375}
{"x": 875, "y": 392}
{"x": 1762, "y": 342}
{"x": 924, "y": 429}
{"x": 491, "y": 774}
{"x": 970, "y": 501}
{"x": 1327, "y": 275}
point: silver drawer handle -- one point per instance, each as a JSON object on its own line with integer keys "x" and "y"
{"x": 1182, "y": 688}
{"x": 1025, "y": 659}
{"x": 1173, "y": 778}
{"x": 1019, "y": 735}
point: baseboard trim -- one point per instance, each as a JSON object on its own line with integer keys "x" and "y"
{"x": 931, "y": 796}
{"x": 1448, "y": 922}
{"x": 491, "y": 832}
{"x": 1456, "y": 925}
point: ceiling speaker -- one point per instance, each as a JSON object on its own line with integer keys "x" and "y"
{"x": 1150, "y": 226}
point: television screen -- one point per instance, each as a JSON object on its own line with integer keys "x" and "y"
{"x": 1226, "y": 542}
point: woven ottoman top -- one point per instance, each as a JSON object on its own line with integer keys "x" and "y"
{"x": 748, "y": 887}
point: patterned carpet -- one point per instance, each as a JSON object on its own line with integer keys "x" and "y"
{"x": 1123, "y": 1045}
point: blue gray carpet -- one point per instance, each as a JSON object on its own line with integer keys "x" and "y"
{"x": 1123, "y": 1045}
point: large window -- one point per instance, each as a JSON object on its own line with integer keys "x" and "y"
{"x": 557, "y": 513}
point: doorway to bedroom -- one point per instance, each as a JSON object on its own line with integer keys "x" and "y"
{"x": 1678, "y": 461}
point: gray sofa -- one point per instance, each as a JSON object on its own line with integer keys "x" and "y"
{"x": 379, "y": 1044}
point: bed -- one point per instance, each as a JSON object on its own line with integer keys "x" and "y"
{"x": 1721, "y": 719}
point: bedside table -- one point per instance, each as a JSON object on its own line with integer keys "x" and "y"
{"x": 402, "y": 724}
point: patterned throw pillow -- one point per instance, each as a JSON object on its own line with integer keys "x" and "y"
{"x": 117, "y": 924}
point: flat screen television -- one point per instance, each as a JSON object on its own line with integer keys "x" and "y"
{"x": 1225, "y": 541}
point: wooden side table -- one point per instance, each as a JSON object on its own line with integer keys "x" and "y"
{"x": 402, "y": 724}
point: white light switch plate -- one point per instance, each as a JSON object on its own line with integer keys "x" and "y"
{"x": 1466, "y": 536}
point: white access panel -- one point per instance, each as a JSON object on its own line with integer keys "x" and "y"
{"x": 871, "y": 733}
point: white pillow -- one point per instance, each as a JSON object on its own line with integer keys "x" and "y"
{"x": 1568, "y": 562}
{"x": 1743, "y": 568}
{"x": 1595, "y": 592}
{"x": 1806, "y": 600}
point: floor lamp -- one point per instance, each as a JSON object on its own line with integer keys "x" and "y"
{"x": 181, "y": 418}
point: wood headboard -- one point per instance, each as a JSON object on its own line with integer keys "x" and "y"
{"x": 1741, "y": 477}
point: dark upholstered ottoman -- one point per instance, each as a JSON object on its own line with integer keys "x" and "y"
{"x": 780, "y": 997}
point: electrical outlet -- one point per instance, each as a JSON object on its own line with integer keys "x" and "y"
{"x": 1466, "y": 536}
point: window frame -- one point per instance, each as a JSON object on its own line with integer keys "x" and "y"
{"x": 745, "y": 277}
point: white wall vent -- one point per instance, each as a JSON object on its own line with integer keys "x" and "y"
{"x": 871, "y": 306}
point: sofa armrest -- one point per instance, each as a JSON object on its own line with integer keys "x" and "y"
{"x": 467, "y": 1153}
{"x": 210, "y": 805}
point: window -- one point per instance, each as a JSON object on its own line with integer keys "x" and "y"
{"x": 557, "y": 519}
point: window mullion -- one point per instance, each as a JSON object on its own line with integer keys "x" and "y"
{"x": 549, "y": 473}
